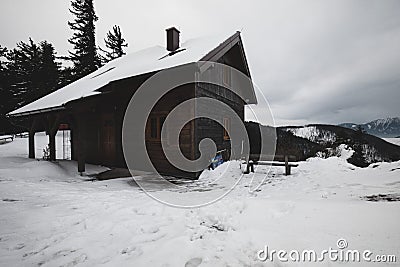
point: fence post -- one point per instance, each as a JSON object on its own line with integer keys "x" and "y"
{"x": 287, "y": 167}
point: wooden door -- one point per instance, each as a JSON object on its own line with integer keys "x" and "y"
{"x": 107, "y": 143}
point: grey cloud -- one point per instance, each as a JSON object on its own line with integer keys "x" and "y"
{"x": 315, "y": 61}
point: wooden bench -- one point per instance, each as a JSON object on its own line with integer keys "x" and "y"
{"x": 277, "y": 160}
{"x": 4, "y": 138}
{"x": 22, "y": 135}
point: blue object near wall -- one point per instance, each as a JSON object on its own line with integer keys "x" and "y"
{"x": 216, "y": 161}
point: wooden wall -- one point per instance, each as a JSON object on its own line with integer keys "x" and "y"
{"x": 154, "y": 148}
{"x": 97, "y": 121}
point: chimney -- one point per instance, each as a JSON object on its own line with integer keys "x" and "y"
{"x": 172, "y": 39}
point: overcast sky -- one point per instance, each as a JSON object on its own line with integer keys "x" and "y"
{"x": 316, "y": 61}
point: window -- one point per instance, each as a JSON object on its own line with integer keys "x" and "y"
{"x": 154, "y": 127}
{"x": 227, "y": 75}
{"x": 227, "y": 128}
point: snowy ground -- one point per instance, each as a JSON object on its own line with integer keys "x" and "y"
{"x": 51, "y": 216}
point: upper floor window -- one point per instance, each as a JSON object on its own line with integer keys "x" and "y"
{"x": 227, "y": 128}
{"x": 227, "y": 75}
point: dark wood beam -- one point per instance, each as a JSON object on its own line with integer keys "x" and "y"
{"x": 31, "y": 140}
{"x": 80, "y": 129}
{"x": 52, "y": 145}
{"x": 31, "y": 144}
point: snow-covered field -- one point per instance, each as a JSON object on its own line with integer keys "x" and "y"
{"x": 51, "y": 216}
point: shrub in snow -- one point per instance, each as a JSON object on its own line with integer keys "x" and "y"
{"x": 46, "y": 153}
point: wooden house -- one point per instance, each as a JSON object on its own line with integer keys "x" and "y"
{"x": 93, "y": 107}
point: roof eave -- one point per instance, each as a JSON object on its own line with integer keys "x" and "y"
{"x": 34, "y": 112}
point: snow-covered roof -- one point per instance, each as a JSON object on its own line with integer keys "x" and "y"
{"x": 140, "y": 62}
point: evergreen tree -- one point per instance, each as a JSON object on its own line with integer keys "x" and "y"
{"x": 84, "y": 56}
{"x": 3, "y": 51}
{"x": 358, "y": 157}
{"x": 360, "y": 130}
{"x": 32, "y": 72}
{"x": 49, "y": 69}
{"x": 115, "y": 43}
{"x": 66, "y": 76}
{"x": 5, "y": 94}
{"x": 23, "y": 63}
{"x": 27, "y": 73}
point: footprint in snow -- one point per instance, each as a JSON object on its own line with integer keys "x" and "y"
{"x": 150, "y": 229}
{"x": 194, "y": 262}
{"x": 132, "y": 250}
{"x": 19, "y": 246}
{"x": 63, "y": 253}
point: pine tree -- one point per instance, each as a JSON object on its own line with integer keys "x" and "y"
{"x": 49, "y": 70}
{"x": 28, "y": 72}
{"x": 5, "y": 94}
{"x": 358, "y": 158}
{"x": 115, "y": 43}
{"x": 33, "y": 72}
{"x": 23, "y": 63}
{"x": 360, "y": 130}
{"x": 84, "y": 56}
{"x": 3, "y": 51}
{"x": 66, "y": 76}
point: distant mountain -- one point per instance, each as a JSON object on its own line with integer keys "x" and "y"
{"x": 367, "y": 148}
{"x": 324, "y": 141}
{"x": 389, "y": 127}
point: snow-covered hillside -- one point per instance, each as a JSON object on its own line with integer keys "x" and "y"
{"x": 51, "y": 216}
{"x": 388, "y": 127}
{"x": 369, "y": 149}
{"x": 313, "y": 134}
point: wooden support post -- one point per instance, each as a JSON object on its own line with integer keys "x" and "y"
{"x": 249, "y": 167}
{"x": 287, "y": 166}
{"x": 31, "y": 144}
{"x": 52, "y": 145}
{"x": 52, "y": 124}
{"x": 31, "y": 139}
{"x": 81, "y": 145}
{"x": 81, "y": 162}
